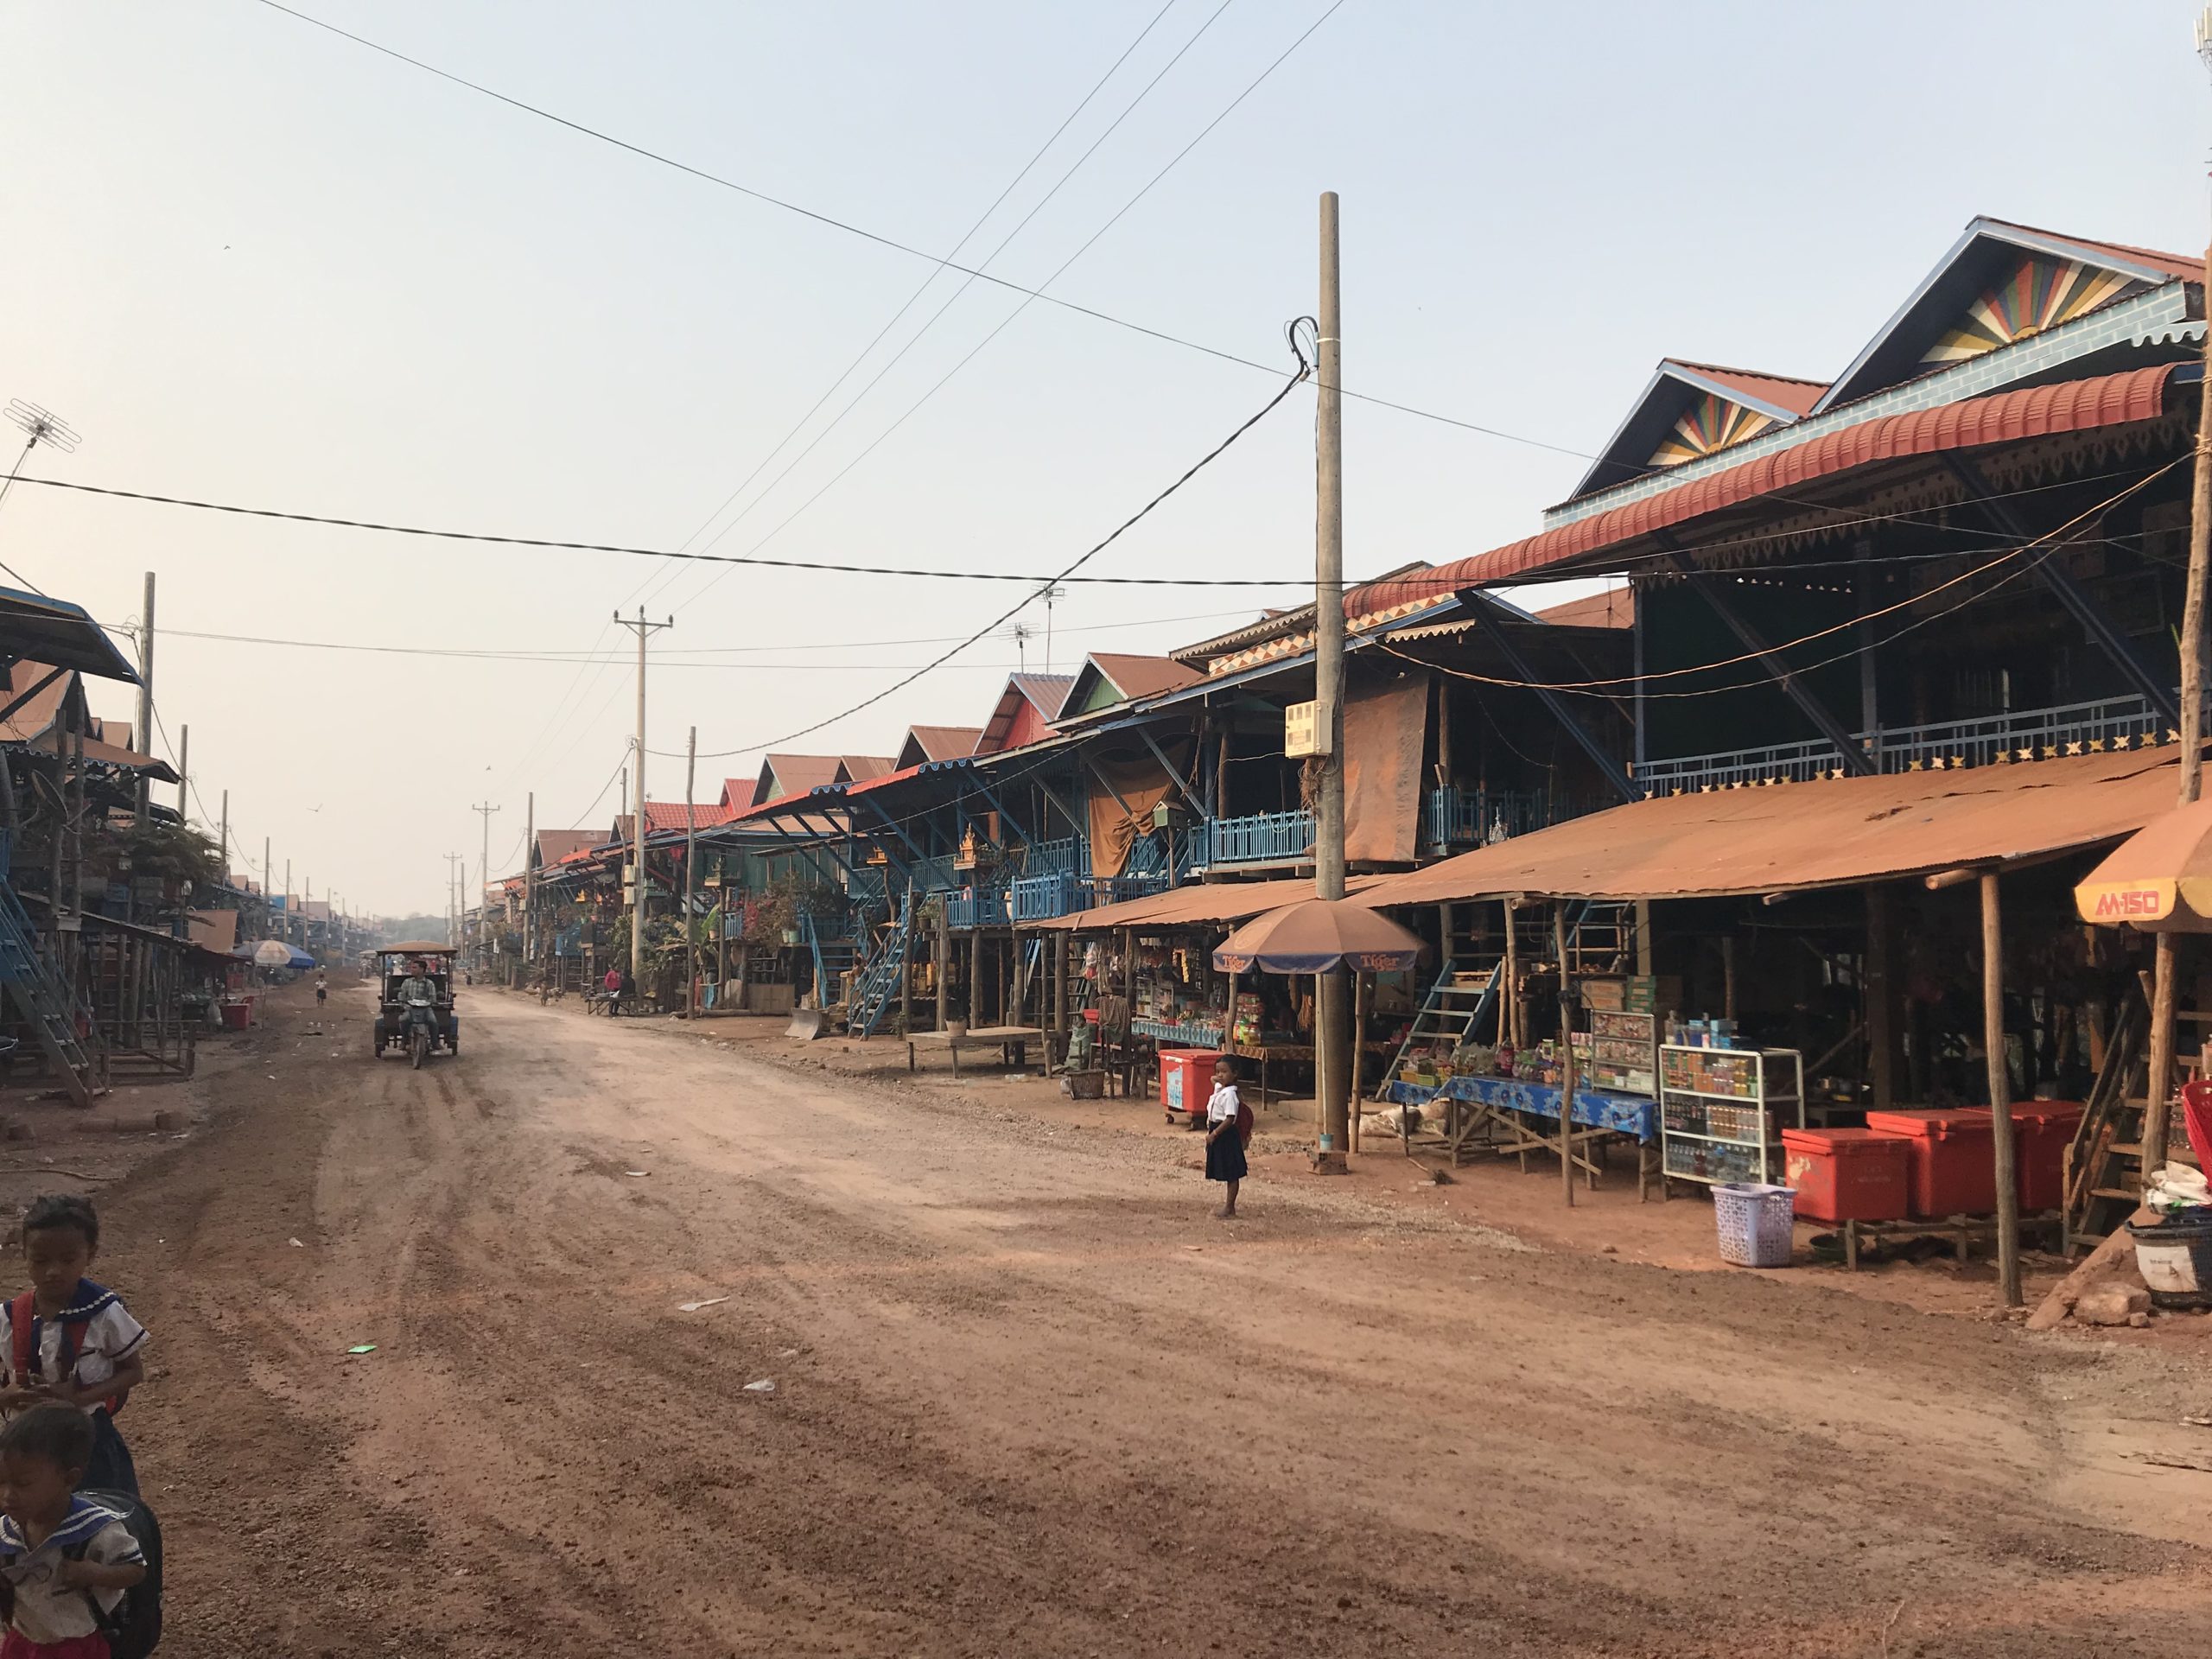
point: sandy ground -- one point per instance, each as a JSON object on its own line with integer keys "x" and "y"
{"x": 1029, "y": 1399}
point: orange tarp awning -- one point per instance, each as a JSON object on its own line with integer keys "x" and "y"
{"x": 1785, "y": 836}
{"x": 1218, "y": 901}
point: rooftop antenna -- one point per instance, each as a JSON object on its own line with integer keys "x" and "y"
{"x": 1052, "y": 591}
{"x": 1022, "y": 633}
{"x": 42, "y": 426}
{"x": 2204, "y": 36}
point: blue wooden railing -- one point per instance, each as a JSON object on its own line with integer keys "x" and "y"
{"x": 1469, "y": 817}
{"x": 2019, "y": 734}
{"x": 1262, "y": 838}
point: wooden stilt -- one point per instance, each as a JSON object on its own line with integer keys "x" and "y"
{"x": 2000, "y": 1090}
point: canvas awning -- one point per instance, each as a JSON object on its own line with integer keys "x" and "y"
{"x": 1792, "y": 837}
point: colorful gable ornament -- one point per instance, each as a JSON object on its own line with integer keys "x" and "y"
{"x": 2039, "y": 294}
{"x": 1709, "y": 424}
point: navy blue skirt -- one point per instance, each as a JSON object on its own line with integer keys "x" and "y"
{"x": 1225, "y": 1157}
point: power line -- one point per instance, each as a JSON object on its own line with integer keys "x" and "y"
{"x": 892, "y": 243}
{"x": 651, "y": 552}
{"x": 1005, "y": 323}
{"x": 914, "y": 299}
{"x": 1197, "y": 467}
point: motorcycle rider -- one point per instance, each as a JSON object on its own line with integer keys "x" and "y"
{"x": 417, "y": 987}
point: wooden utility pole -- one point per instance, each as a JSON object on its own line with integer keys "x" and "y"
{"x": 226, "y": 838}
{"x": 690, "y": 851}
{"x": 145, "y": 733}
{"x": 1567, "y": 1055}
{"x": 2000, "y": 1090}
{"x": 2156, "y": 1113}
{"x": 184, "y": 774}
{"x": 1332, "y": 1022}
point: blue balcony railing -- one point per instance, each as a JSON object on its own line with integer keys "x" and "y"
{"x": 1041, "y": 898}
{"x": 1263, "y": 838}
{"x": 2019, "y": 734}
{"x": 1070, "y": 855}
{"x": 970, "y": 908}
{"x": 1473, "y": 817}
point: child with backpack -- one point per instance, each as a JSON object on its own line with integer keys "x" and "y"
{"x": 1229, "y": 1127}
{"x": 76, "y": 1578}
{"x": 69, "y": 1341}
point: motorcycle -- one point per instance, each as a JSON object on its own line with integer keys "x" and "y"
{"x": 421, "y": 1024}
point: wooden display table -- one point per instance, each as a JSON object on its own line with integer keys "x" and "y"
{"x": 1011, "y": 1041}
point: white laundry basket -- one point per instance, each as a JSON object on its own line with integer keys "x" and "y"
{"x": 1755, "y": 1223}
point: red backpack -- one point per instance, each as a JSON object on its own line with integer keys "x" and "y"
{"x": 23, "y": 1321}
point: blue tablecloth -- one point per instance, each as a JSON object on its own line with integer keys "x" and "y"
{"x": 1597, "y": 1109}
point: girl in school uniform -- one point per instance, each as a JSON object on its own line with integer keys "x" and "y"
{"x": 1226, "y": 1133}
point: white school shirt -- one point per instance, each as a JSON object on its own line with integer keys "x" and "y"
{"x": 45, "y": 1611}
{"x": 1222, "y": 1104}
{"x": 110, "y": 1336}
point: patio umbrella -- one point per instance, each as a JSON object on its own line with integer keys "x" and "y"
{"x": 272, "y": 953}
{"x": 2158, "y": 879}
{"x": 1315, "y": 935}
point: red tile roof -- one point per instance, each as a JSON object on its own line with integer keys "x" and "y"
{"x": 2008, "y": 417}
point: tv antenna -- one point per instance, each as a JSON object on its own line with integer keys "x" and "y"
{"x": 1022, "y": 633}
{"x": 1052, "y": 591}
{"x": 41, "y": 426}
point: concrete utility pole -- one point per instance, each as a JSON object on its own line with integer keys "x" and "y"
{"x": 529, "y": 883}
{"x": 643, "y": 629}
{"x": 145, "y": 734}
{"x": 288, "y": 898}
{"x": 691, "y": 853}
{"x": 484, "y": 882}
{"x": 1332, "y": 1025}
{"x": 453, "y": 893}
{"x": 268, "y": 869}
{"x": 184, "y": 773}
{"x": 226, "y": 838}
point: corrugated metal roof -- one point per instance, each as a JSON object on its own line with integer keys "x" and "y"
{"x": 1786, "y": 836}
{"x": 795, "y": 774}
{"x": 942, "y": 742}
{"x": 858, "y": 768}
{"x": 1783, "y": 390}
{"x": 1206, "y": 901}
{"x": 1613, "y": 608}
{"x": 2008, "y": 417}
{"x": 554, "y": 845}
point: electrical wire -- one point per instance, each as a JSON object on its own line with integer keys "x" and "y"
{"x": 915, "y": 298}
{"x": 892, "y": 243}
{"x": 1609, "y": 688}
{"x": 1305, "y": 369}
{"x": 657, "y": 553}
{"x": 1172, "y": 162}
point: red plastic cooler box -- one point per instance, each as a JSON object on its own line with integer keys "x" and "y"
{"x": 1187, "y": 1078}
{"x": 2042, "y": 1131}
{"x": 1848, "y": 1174}
{"x": 1953, "y": 1171}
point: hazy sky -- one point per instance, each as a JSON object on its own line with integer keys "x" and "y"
{"x": 254, "y": 263}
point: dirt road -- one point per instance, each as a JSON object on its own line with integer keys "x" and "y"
{"x": 1029, "y": 1399}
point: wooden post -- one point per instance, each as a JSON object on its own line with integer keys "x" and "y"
{"x": 1881, "y": 997}
{"x": 1229, "y": 1020}
{"x": 1566, "y": 1063}
{"x": 1508, "y": 998}
{"x": 1444, "y": 934}
{"x": 1059, "y": 991}
{"x": 1358, "y": 1020}
{"x": 940, "y": 956}
{"x": 2000, "y": 1090}
{"x": 1728, "y": 976}
{"x": 690, "y": 883}
{"x": 2158, "y": 1092}
{"x": 975, "y": 1014}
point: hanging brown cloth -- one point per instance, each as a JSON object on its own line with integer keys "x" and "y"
{"x": 1386, "y": 733}
{"x": 1114, "y": 829}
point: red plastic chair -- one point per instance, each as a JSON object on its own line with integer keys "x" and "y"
{"x": 2196, "y": 1114}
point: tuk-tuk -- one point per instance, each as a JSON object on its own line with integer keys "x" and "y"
{"x": 394, "y": 962}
